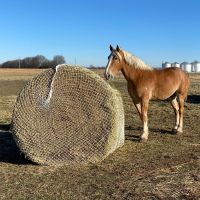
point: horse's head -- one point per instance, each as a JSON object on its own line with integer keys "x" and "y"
{"x": 115, "y": 62}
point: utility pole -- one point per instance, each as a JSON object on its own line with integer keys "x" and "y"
{"x": 19, "y": 63}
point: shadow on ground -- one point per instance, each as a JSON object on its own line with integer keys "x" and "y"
{"x": 194, "y": 99}
{"x": 9, "y": 152}
{"x": 138, "y": 131}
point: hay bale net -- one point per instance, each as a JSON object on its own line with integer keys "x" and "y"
{"x": 68, "y": 116}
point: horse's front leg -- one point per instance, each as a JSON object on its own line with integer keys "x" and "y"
{"x": 144, "y": 116}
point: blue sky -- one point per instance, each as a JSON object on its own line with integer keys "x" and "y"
{"x": 154, "y": 30}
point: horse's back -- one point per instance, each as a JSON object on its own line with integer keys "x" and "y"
{"x": 182, "y": 77}
{"x": 173, "y": 74}
{"x": 169, "y": 81}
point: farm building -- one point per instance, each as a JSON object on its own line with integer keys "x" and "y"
{"x": 195, "y": 66}
{"x": 186, "y": 66}
{"x": 166, "y": 65}
{"x": 175, "y": 64}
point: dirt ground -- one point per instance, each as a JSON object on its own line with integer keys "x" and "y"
{"x": 166, "y": 167}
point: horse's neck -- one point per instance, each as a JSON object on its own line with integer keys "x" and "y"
{"x": 129, "y": 72}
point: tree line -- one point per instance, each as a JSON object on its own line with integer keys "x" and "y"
{"x": 38, "y": 61}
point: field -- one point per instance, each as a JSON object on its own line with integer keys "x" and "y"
{"x": 166, "y": 167}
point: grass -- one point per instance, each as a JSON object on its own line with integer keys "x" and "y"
{"x": 166, "y": 167}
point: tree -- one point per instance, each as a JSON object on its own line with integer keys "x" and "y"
{"x": 38, "y": 61}
{"x": 41, "y": 60}
{"x": 58, "y": 59}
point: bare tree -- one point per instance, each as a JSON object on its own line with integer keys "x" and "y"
{"x": 41, "y": 60}
{"x": 58, "y": 59}
{"x": 38, "y": 61}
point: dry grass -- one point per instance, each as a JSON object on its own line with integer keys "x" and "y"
{"x": 18, "y": 74}
{"x": 167, "y": 167}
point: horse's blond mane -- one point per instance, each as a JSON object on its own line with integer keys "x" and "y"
{"x": 135, "y": 62}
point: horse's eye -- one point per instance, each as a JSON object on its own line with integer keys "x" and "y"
{"x": 115, "y": 58}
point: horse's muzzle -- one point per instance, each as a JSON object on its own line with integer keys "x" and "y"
{"x": 107, "y": 76}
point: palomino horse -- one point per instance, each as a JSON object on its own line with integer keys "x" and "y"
{"x": 146, "y": 83}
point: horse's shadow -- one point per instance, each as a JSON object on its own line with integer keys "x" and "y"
{"x": 194, "y": 99}
{"x": 9, "y": 152}
{"x": 138, "y": 130}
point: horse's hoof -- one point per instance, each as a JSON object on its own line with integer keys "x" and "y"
{"x": 174, "y": 131}
{"x": 143, "y": 140}
{"x": 179, "y": 132}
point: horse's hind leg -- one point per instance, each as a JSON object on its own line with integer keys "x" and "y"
{"x": 181, "y": 109}
{"x": 182, "y": 96}
{"x": 175, "y": 106}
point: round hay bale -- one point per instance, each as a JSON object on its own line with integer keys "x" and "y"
{"x": 68, "y": 116}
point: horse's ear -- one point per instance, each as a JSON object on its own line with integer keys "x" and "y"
{"x": 117, "y": 48}
{"x": 111, "y": 48}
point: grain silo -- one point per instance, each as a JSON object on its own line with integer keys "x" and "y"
{"x": 166, "y": 65}
{"x": 182, "y": 65}
{"x": 195, "y": 66}
{"x": 176, "y": 64}
{"x": 186, "y": 66}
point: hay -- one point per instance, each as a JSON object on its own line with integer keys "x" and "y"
{"x": 67, "y": 117}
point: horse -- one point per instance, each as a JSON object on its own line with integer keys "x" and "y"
{"x": 145, "y": 83}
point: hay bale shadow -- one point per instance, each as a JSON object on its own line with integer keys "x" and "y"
{"x": 194, "y": 99}
{"x": 9, "y": 152}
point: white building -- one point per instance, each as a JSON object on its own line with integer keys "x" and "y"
{"x": 166, "y": 65}
{"x": 175, "y": 64}
{"x": 195, "y": 66}
{"x": 186, "y": 66}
